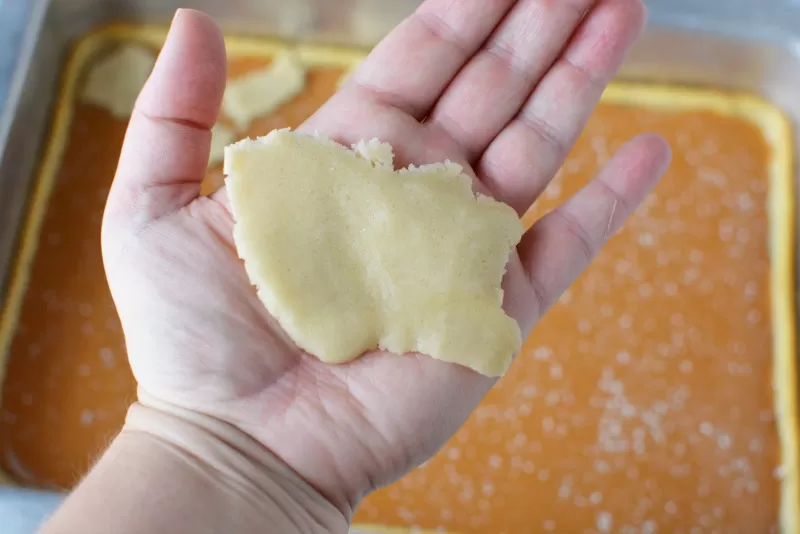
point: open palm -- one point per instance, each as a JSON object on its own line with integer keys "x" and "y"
{"x": 501, "y": 86}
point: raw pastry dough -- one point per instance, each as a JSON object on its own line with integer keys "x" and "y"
{"x": 350, "y": 255}
{"x": 261, "y": 92}
{"x": 115, "y": 81}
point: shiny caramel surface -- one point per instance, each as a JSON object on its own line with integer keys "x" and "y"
{"x": 641, "y": 403}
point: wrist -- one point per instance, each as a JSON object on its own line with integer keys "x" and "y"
{"x": 169, "y": 472}
{"x": 252, "y": 484}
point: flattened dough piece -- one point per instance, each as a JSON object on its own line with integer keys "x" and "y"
{"x": 262, "y": 91}
{"x": 350, "y": 255}
{"x": 115, "y": 81}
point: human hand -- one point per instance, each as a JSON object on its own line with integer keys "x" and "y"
{"x": 502, "y": 87}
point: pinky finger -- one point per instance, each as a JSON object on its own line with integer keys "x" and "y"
{"x": 561, "y": 245}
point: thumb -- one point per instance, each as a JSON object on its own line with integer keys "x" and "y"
{"x": 166, "y": 148}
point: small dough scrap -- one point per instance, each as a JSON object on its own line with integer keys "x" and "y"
{"x": 350, "y": 255}
{"x": 115, "y": 81}
{"x": 380, "y": 154}
{"x": 261, "y": 92}
{"x": 221, "y": 136}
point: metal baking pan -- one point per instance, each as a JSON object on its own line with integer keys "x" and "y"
{"x": 741, "y": 45}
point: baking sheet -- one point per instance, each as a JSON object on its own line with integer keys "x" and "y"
{"x": 769, "y": 120}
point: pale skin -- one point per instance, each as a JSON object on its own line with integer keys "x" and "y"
{"x": 237, "y": 430}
